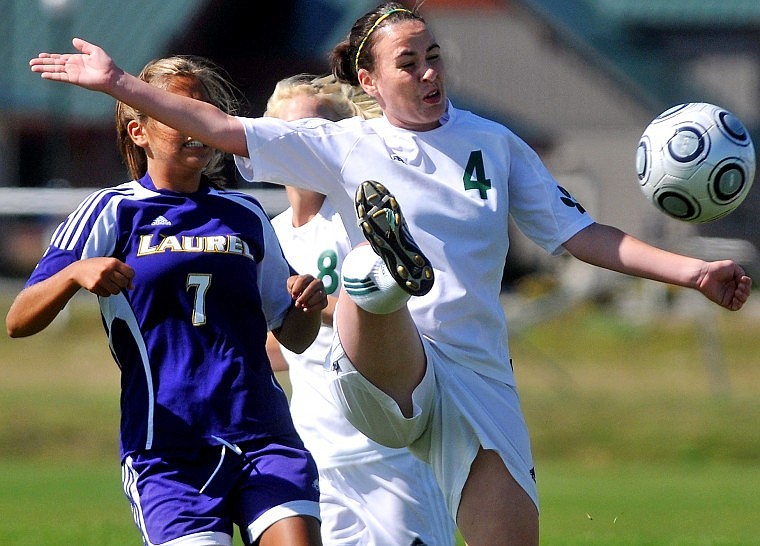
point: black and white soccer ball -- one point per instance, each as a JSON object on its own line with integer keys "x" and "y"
{"x": 696, "y": 162}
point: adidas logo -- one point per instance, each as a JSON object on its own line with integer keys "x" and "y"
{"x": 359, "y": 287}
{"x": 160, "y": 221}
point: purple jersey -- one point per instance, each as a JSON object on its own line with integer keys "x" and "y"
{"x": 210, "y": 280}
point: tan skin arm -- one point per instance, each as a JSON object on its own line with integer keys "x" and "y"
{"x": 276, "y": 358}
{"x": 36, "y": 306}
{"x": 93, "y": 69}
{"x": 723, "y": 282}
{"x": 301, "y": 324}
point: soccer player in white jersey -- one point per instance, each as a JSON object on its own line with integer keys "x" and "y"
{"x": 369, "y": 494}
{"x": 432, "y": 372}
{"x": 189, "y": 279}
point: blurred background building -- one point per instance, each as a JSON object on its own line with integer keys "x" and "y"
{"x": 579, "y": 80}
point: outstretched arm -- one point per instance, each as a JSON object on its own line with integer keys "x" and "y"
{"x": 93, "y": 69}
{"x": 36, "y": 306}
{"x": 723, "y": 282}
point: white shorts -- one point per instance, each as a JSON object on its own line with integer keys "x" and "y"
{"x": 392, "y": 500}
{"x": 456, "y": 411}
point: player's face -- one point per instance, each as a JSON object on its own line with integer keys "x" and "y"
{"x": 408, "y": 76}
{"x": 176, "y": 159}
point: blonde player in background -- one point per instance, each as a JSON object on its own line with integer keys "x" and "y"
{"x": 369, "y": 494}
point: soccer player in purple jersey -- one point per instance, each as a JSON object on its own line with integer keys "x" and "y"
{"x": 190, "y": 278}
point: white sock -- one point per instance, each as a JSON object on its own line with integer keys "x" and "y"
{"x": 367, "y": 281}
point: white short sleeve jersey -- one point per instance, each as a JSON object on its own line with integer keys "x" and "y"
{"x": 318, "y": 247}
{"x": 456, "y": 184}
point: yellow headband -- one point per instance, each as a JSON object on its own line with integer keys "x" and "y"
{"x": 380, "y": 19}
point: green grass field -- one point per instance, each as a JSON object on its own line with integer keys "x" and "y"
{"x": 637, "y": 440}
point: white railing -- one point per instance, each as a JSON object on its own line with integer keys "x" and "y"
{"x": 61, "y": 201}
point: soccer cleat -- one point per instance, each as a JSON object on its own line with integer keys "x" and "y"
{"x": 386, "y": 231}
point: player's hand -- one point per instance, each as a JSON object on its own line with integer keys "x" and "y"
{"x": 103, "y": 276}
{"x": 307, "y": 292}
{"x": 725, "y": 283}
{"x": 92, "y": 68}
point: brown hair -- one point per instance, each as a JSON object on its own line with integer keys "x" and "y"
{"x": 161, "y": 73}
{"x": 355, "y": 51}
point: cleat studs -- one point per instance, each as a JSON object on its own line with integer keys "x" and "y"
{"x": 382, "y": 222}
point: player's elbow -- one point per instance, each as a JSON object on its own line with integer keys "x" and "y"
{"x": 13, "y": 329}
{"x": 299, "y": 339}
{"x": 18, "y": 325}
{"x": 298, "y": 345}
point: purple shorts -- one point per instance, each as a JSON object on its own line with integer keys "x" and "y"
{"x": 206, "y": 491}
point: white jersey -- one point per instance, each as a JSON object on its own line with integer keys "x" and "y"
{"x": 456, "y": 184}
{"x": 369, "y": 494}
{"x": 318, "y": 247}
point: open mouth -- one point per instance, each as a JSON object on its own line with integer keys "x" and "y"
{"x": 433, "y": 96}
{"x": 194, "y": 144}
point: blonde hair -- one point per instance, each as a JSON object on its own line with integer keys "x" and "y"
{"x": 161, "y": 73}
{"x": 343, "y": 100}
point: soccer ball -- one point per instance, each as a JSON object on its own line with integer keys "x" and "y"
{"x": 696, "y": 162}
